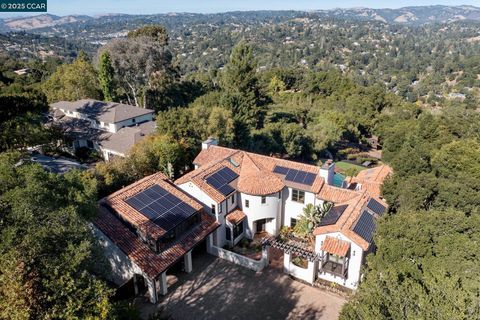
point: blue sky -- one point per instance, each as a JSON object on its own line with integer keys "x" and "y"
{"x": 92, "y": 7}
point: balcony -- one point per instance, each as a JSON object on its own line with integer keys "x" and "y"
{"x": 334, "y": 268}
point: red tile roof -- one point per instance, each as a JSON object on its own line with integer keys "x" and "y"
{"x": 348, "y": 219}
{"x": 236, "y": 216}
{"x": 117, "y": 202}
{"x": 255, "y": 171}
{"x": 335, "y": 194}
{"x": 371, "y": 179}
{"x": 257, "y": 181}
{"x": 335, "y": 246}
{"x": 148, "y": 261}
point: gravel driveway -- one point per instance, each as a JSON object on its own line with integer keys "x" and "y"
{"x": 217, "y": 289}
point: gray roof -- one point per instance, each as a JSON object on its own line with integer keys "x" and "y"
{"x": 57, "y": 165}
{"x": 109, "y": 112}
{"x": 124, "y": 139}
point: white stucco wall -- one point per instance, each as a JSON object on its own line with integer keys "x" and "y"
{"x": 123, "y": 269}
{"x": 305, "y": 274}
{"x": 271, "y": 209}
{"x": 293, "y": 209}
{"x": 354, "y": 265}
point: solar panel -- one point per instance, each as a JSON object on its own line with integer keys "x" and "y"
{"x": 281, "y": 170}
{"x": 160, "y": 206}
{"x": 300, "y": 177}
{"x": 309, "y": 179}
{"x": 220, "y": 180}
{"x": 333, "y": 215}
{"x": 365, "y": 226}
{"x": 376, "y": 207}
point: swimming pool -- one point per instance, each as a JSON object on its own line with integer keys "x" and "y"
{"x": 338, "y": 180}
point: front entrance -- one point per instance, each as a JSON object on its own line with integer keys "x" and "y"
{"x": 261, "y": 225}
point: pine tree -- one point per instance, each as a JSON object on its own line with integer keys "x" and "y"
{"x": 242, "y": 92}
{"x": 105, "y": 76}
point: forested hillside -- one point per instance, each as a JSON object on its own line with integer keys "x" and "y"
{"x": 430, "y": 61}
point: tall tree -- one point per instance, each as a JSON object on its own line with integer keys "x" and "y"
{"x": 242, "y": 92}
{"x": 49, "y": 265}
{"x": 106, "y": 74}
{"x": 427, "y": 266}
{"x": 143, "y": 65}
{"x": 71, "y": 82}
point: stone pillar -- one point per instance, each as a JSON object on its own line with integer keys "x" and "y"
{"x": 187, "y": 259}
{"x": 162, "y": 281}
{"x": 152, "y": 290}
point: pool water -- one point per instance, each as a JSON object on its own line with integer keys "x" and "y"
{"x": 338, "y": 180}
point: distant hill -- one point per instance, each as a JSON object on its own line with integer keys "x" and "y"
{"x": 409, "y": 15}
{"x": 40, "y": 21}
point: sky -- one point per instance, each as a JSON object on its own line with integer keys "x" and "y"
{"x": 94, "y": 7}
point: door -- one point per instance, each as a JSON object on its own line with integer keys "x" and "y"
{"x": 261, "y": 225}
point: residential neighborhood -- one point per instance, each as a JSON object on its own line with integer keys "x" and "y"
{"x": 240, "y": 160}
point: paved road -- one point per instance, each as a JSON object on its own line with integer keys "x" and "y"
{"x": 217, "y": 289}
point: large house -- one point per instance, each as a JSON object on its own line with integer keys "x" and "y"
{"x": 249, "y": 193}
{"x": 231, "y": 195}
{"x": 111, "y": 128}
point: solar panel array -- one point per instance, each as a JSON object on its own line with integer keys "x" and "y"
{"x": 220, "y": 180}
{"x": 161, "y": 207}
{"x": 365, "y": 226}
{"x": 376, "y": 207}
{"x": 333, "y": 215}
{"x": 297, "y": 176}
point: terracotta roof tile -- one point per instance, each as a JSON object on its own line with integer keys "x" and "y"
{"x": 371, "y": 179}
{"x": 348, "y": 219}
{"x": 335, "y": 194}
{"x": 335, "y": 246}
{"x": 255, "y": 180}
{"x": 236, "y": 216}
{"x": 148, "y": 261}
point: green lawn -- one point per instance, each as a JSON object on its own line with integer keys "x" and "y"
{"x": 343, "y": 166}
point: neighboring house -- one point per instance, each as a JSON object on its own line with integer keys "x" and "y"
{"x": 148, "y": 227}
{"x": 249, "y": 193}
{"x": 22, "y": 72}
{"x": 111, "y": 128}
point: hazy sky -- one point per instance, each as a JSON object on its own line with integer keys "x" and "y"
{"x": 92, "y": 7}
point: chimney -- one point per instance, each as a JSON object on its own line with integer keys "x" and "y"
{"x": 209, "y": 142}
{"x": 327, "y": 170}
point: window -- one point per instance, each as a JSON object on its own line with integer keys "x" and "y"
{"x": 298, "y": 196}
{"x": 213, "y": 208}
{"x": 90, "y": 144}
{"x": 133, "y": 120}
{"x": 233, "y": 198}
{"x": 264, "y": 199}
{"x": 220, "y": 208}
{"x": 293, "y": 222}
{"x": 237, "y": 230}
{"x": 247, "y": 203}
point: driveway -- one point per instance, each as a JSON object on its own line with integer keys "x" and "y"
{"x": 218, "y": 289}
